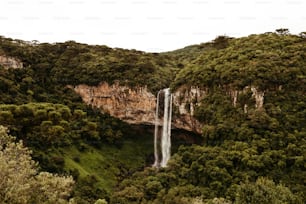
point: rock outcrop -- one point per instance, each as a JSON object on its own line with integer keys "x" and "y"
{"x": 10, "y": 62}
{"x": 259, "y": 97}
{"x": 185, "y": 100}
{"x": 137, "y": 105}
{"x": 256, "y": 94}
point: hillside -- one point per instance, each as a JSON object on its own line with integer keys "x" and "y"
{"x": 252, "y": 116}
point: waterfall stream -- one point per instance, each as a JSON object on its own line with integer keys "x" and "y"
{"x": 163, "y": 138}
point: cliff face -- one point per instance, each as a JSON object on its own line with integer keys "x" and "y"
{"x": 137, "y": 105}
{"x": 185, "y": 101}
{"x": 10, "y": 62}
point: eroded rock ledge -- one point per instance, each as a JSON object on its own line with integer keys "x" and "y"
{"x": 137, "y": 105}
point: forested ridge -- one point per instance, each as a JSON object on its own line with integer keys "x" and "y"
{"x": 246, "y": 154}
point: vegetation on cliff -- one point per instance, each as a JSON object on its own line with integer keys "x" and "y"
{"x": 74, "y": 63}
{"x": 266, "y": 61}
{"x": 245, "y": 148}
{"x": 247, "y": 154}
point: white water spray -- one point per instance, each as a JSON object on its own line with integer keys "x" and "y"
{"x": 165, "y": 137}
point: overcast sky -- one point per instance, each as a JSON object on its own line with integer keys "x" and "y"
{"x": 148, "y": 25}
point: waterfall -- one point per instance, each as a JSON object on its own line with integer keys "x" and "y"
{"x": 165, "y": 137}
{"x": 156, "y": 132}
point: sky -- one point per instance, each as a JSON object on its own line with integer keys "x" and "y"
{"x": 147, "y": 25}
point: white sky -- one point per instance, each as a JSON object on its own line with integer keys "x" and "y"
{"x": 148, "y": 25}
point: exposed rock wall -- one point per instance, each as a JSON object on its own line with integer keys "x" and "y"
{"x": 256, "y": 94}
{"x": 259, "y": 97}
{"x": 137, "y": 105}
{"x": 10, "y": 62}
{"x": 185, "y": 100}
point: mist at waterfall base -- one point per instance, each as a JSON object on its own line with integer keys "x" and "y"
{"x": 162, "y": 132}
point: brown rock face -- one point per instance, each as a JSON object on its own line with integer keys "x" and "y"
{"x": 185, "y": 100}
{"x": 10, "y": 62}
{"x": 137, "y": 105}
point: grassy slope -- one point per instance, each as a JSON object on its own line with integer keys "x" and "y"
{"x": 109, "y": 163}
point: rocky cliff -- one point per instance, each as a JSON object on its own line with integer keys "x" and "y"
{"x": 137, "y": 105}
{"x": 10, "y": 62}
{"x": 185, "y": 100}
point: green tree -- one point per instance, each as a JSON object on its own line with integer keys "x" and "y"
{"x": 20, "y": 180}
{"x": 265, "y": 191}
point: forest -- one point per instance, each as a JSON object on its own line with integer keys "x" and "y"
{"x": 245, "y": 154}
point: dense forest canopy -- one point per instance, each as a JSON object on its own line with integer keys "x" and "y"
{"x": 74, "y": 63}
{"x": 265, "y": 61}
{"x": 246, "y": 154}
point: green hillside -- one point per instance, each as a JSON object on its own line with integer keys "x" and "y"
{"x": 242, "y": 152}
{"x": 244, "y": 155}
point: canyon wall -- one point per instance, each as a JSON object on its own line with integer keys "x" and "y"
{"x": 137, "y": 105}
